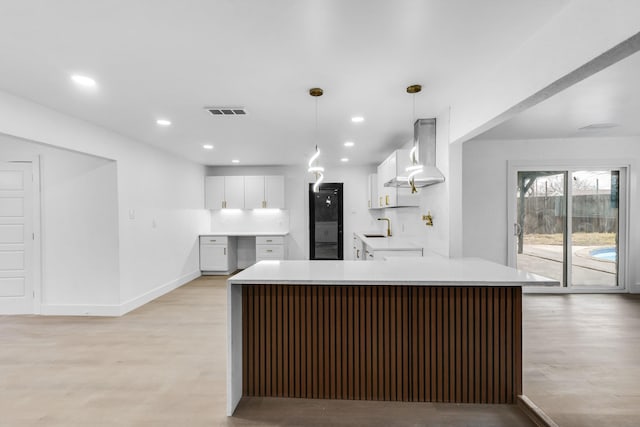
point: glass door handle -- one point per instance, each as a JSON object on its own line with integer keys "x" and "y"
{"x": 517, "y": 229}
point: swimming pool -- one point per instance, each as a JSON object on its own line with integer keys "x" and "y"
{"x": 604, "y": 254}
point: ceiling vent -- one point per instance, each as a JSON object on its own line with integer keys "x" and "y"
{"x": 226, "y": 111}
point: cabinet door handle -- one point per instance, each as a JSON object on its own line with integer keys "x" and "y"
{"x": 386, "y": 199}
{"x": 264, "y": 204}
{"x": 225, "y": 251}
{"x": 269, "y": 250}
{"x": 369, "y": 203}
{"x": 357, "y": 253}
{"x": 380, "y": 202}
{"x": 269, "y": 240}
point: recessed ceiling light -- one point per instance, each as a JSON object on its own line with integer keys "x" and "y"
{"x": 83, "y": 80}
{"x": 349, "y": 144}
{"x": 163, "y": 122}
{"x": 344, "y": 159}
{"x": 235, "y": 161}
{"x": 207, "y": 147}
{"x": 357, "y": 119}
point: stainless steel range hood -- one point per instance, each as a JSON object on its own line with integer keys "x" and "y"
{"x": 424, "y": 137}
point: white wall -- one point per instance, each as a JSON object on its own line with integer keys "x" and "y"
{"x": 485, "y": 189}
{"x": 159, "y": 248}
{"x": 79, "y": 238}
{"x": 356, "y": 215}
{"x": 158, "y": 187}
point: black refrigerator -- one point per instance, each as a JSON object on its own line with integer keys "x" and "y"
{"x": 325, "y": 222}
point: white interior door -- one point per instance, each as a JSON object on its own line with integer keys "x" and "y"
{"x": 16, "y": 238}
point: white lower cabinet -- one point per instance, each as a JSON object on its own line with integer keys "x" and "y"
{"x": 381, "y": 255}
{"x": 371, "y": 254}
{"x": 358, "y": 248}
{"x": 270, "y": 248}
{"x": 218, "y": 254}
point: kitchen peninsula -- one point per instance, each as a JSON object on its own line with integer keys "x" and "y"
{"x": 429, "y": 329}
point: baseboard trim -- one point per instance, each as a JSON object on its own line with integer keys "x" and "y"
{"x": 116, "y": 310}
{"x": 534, "y": 413}
{"x": 143, "y": 299}
{"x": 79, "y": 310}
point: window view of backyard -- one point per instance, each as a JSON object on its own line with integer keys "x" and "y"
{"x": 590, "y": 247}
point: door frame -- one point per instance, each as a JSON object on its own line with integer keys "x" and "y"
{"x": 514, "y": 166}
{"x": 37, "y": 260}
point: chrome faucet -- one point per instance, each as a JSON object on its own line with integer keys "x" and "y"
{"x": 388, "y": 225}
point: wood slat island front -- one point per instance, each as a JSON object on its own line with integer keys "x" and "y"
{"x": 413, "y": 341}
{"x": 408, "y": 343}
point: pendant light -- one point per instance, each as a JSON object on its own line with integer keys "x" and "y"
{"x": 414, "y": 167}
{"x": 314, "y": 167}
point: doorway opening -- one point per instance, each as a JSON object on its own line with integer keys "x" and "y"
{"x": 569, "y": 224}
{"x": 325, "y": 222}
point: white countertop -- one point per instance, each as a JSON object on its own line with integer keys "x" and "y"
{"x": 247, "y": 233}
{"x": 388, "y": 243}
{"x": 418, "y": 271}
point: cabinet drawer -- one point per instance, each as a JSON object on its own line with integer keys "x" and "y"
{"x": 214, "y": 240}
{"x": 380, "y": 255}
{"x": 269, "y": 252}
{"x": 269, "y": 240}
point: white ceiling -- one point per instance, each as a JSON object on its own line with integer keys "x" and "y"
{"x": 610, "y": 96}
{"x": 168, "y": 59}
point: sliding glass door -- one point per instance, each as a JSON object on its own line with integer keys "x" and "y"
{"x": 595, "y": 219}
{"x": 567, "y": 226}
{"x": 541, "y": 223}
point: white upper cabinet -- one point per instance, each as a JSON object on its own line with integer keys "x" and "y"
{"x": 389, "y": 197}
{"x": 253, "y": 192}
{"x": 244, "y": 192}
{"x": 214, "y": 192}
{"x": 264, "y": 192}
{"x": 234, "y": 192}
{"x": 274, "y": 192}
{"x": 386, "y": 171}
{"x": 372, "y": 192}
{"x": 222, "y": 192}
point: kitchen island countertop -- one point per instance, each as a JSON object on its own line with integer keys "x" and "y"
{"x": 418, "y": 271}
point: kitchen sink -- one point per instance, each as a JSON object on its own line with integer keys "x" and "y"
{"x": 374, "y": 235}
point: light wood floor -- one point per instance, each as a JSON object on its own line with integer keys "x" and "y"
{"x": 582, "y": 358}
{"x": 165, "y": 365}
